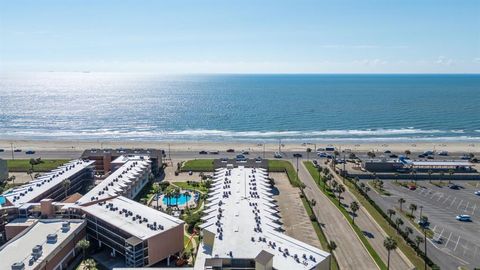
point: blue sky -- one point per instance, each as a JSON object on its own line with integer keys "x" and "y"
{"x": 245, "y": 36}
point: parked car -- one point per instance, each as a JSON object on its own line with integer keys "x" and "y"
{"x": 412, "y": 187}
{"x": 393, "y": 156}
{"x": 315, "y": 162}
{"x": 437, "y": 239}
{"x": 387, "y": 152}
{"x": 258, "y": 159}
{"x": 203, "y": 152}
{"x": 230, "y": 150}
{"x": 421, "y": 156}
{"x": 214, "y": 152}
{"x": 277, "y": 155}
{"x": 30, "y": 152}
{"x": 2, "y": 150}
{"x": 322, "y": 154}
{"x": 190, "y": 173}
{"x": 454, "y": 186}
{"x": 430, "y": 157}
{"x": 17, "y": 150}
{"x": 477, "y": 192}
{"x": 463, "y": 218}
{"x": 297, "y": 155}
{"x": 244, "y": 152}
{"x": 241, "y": 158}
{"x": 443, "y": 153}
{"x": 224, "y": 159}
{"x": 423, "y": 223}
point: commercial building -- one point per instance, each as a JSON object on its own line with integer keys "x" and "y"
{"x": 66, "y": 179}
{"x": 3, "y": 170}
{"x": 406, "y": 165}
{"x": 242, "y": 227}
{"x": 103, "y": 158}
{"x": 41, "y": 244}
{"x": 142, "y": 235}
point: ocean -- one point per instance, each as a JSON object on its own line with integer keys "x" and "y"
{"x": 124, "y": 106}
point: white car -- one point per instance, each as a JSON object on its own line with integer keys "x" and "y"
{"x": 477, "y": 192}
{"x": 277, "y": 155}
{"x": 464, "y": 218}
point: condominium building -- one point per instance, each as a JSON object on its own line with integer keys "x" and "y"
{"x": 66, "y": 179}
{"x": 3, "y": 170}
{"x": 142, "y": 235}
{"x": 242, "y": 229}
{"x": 130, "y": 174}
{"x": 41, "y": 244}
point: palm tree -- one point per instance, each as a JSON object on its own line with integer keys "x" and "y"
{"x": 398, "y": 222}
{"x": 408, "y": 231}
{"x": 30, "y": 173}
{"x": 396, "y": 176}
{"x": 390, "y": 244}
{"x": 418, "y": 240}
{"x": 309, "y": 150}
{"x": 340, "y": 190}
{"x": 331, "y": 247}
{"x": 66, "y": 186}
{"x": 354, "y": 206}
{"x": 367, "y": 189}
{"x": 407, "y": 152}
{"x": 390, "y": 213}
{"x": 401, "y": 201}
{"x": 319, "y": 170}
{"x": 413, "y": 208}
{"x": 83, "y": 244}
{"x": 12, "y": 178}
{"x": 89, "y": 264}
{"x": 157, "y": 190}
{"x": 450, "y": 172}
{"x": 334, "y": 184}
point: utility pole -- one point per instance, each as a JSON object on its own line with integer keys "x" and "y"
{"x": 11, "y": 146}
{"x": 297, "y": 169}
{"x": 263, "y": 150}
{"x": 279, "y": 146}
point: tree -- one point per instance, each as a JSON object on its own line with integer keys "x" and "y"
{"x": 12, "y": 179}
{"x": 407, "y": 152}
{"x": 413, "y": 208}
{"x": 331, "y": 247}
{"x": 32, "y": 163}
{"x": 309, "y": 150}
{"x": 430, "y": 172}
{"x": 390, "y": 213}
{"x": 401, "y": 201}
{"x": 371, "y": 154}
{"x": 418, "y": 240}
{"x": 367, "y": 189}
{"x": 408, "y": 231}
{"x": 398, "y": 222}
{"x": 389, "y": 244}
{"x": 340, "y": 190}
{"x": 450, "y": 172}
{"x": 66, "y": 186}
{"x": 30, "y": 173}
{"x": 83, "y": 244}
{"x": 89, "y": 264}
{"x": 157, "y": 190}
{"x": 354, "y": 206}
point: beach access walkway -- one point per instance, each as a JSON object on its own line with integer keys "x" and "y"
{"x": 350, "y": 252}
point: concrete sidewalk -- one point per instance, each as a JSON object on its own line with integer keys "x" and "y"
{"x": 350, "y": 252}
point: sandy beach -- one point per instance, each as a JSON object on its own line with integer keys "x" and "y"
{"x": 470, "y": 147}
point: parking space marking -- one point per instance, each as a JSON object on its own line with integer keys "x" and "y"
{"x": 434, "y": 229}
{"x": 456, "y": 245}
{"x": 447, "y": 199}
{"x": 460, "y": 204}
{"x": 448, "y": 239}
{"x": 466, "y": 207}
{"x": 454, "y": 199}
{"x": 474, "y": 207}
{"x": 465, "y": 248}
{"x": 440, "y": 197}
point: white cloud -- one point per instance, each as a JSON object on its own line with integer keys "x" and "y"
{"x": 442, "y": 60}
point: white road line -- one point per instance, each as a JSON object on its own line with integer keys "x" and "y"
{"x": 457, "y": 244}
{"x": 474, "y": 207}
{"x": 442, "y": 232}
{"x": 454, "y": 199}
{"x": 448, "y": 239}
{"x": 465, "y": 248}
{"x": 441, "y": 196}
{"x": 434, "y": 229}
{"x": 447, "y": 199}
{"x": 458, "y": 207}
{"x": 466, "y": 207}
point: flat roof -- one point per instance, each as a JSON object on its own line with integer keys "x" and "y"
{"x": 240, "y": 210}
{"x": 441, "y": 163}
{"x": 28, "y": 192}
{"x": 115, "y": 183}
{"x": 120, "y": 212}
{"x": 19, "y": 249}
{"x": 122, "y": 151}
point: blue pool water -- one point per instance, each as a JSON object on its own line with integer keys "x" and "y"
{"x": 2, "y": 200}
{"x": 183, "y": 199}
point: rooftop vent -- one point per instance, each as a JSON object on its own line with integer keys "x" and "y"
{"x": 52, "y": 238}
{"x": 18, "y": 266}
{"x": 37, "y": 251}
{"x": 65, "y": 226}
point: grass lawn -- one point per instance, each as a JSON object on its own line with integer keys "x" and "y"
{"x": 284, "y": 166}
{"x": 402, "y": 245}
{"x": 23, "y": 165}
{"x": 314, "y": 173}
{"x": 185, "y": 185}
{"x": 198, "y": 165}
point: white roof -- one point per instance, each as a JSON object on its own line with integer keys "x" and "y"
{"x": 118, "y": 180}
{"x": 19, "y": 249}
{"x": 441, "y": 163}
{"x": 45, "y": 182}
{"x": 116, "y": 212}
{"x": 243, "y": 200}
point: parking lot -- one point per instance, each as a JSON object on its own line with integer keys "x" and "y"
{"x": 459, "y": 239}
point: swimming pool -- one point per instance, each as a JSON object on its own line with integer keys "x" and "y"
{"x": 2, "y": 200}
{"x": 183, "y": 199}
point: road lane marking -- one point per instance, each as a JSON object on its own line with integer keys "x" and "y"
{"x": 448, "y": 239}
{"x": 460, "y": 204}
{"x": 454, "y": 199}
{"x": 447, "y": 199}
{"x": 466, "y": 206}
{"x": 456, "y": 244}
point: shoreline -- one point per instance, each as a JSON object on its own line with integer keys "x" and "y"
{"x": 195, "y": 145}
